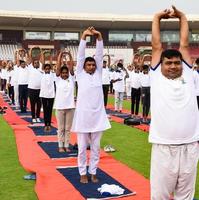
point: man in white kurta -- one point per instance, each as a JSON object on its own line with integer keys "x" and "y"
{"x": 174, "y": 130}
{"x": 90, "y": 118}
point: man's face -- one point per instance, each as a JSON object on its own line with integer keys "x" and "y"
{"x": 172, "y": 67}
{"x": 23, "y": 65}
{"x": 64, "y": 74}
{"x": 36, "y": 64}
{"x": 90, "y": 67}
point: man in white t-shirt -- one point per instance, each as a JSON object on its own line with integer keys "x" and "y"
{"x": 118, "y": 80}
{"x": 34, "y": 85}
{"x": 174, "y": 130}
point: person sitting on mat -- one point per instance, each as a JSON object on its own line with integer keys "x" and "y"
{"x": 174, "y": 129}
{"x": 90, "y": 119}
{"x": 64, "y": 102}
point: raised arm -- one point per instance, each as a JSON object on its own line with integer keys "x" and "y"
{"x": 81, "y": 50}
{"x": 59, "y": 63}
{"x": 70, "y": 63}
{"x": 156, "y": 37}
{"x": 184, "y": 35}
{"x": 99, "y": 48}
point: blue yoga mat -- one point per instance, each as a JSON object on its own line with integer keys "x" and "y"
{"x": 89, "y": 190}
{"x": 23, "y": 113}
{"x": 29, "y": 119}
{"x": 39, "y": 130}
{"x": 51, "y": 148}
{"x": 118, "y": 114}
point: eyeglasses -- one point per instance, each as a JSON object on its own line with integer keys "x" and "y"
{"x": 173, "y": 62}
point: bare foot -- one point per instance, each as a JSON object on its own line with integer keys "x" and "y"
{"x": 94, "y": 178}
{"x": 46, "y": 128}
{"x": 61, "y": 149}
{"x": 49, "y": 128}
{"x": 67, "y": 149}
{"x": 83, "y": 179}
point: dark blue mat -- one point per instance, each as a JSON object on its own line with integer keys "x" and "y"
{"x": 23, "y": 113}
{"x": 51, "y": 148}
{"x": 89, "y": 190}
{"x": 118, "y": 114}
{"x": 29, "y": 119}
{"x": 39, "y": 130}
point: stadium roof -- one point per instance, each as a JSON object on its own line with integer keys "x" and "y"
{"x": 27, "y": 19}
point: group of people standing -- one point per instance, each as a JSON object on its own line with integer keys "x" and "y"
{"x": 174, "y": 128}
{"x": 132, "y": 82}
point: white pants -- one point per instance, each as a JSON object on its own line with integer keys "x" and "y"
{"x": 173, "y": 170}
{"x": 83, "y": 140}
{"x": 16, "y": 94}
{"x": 119, "y": 96}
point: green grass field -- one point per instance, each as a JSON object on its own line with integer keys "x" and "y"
{"x": 12, "y": 185}
{"x": 131, "y": 144}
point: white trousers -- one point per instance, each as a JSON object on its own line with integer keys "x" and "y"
{"x": 119, "y": 96}
{"x": 83, "y": 140}
{"x": 16, "y": 94}
{"x": 173, "y": 170}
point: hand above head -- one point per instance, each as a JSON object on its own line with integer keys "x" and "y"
{"x": 175, "y": 13}
{"x": 88, "y": 32}
{"x": 165, "y": 14}
{"x": 96, "y": 33}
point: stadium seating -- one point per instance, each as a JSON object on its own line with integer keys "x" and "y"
{"x": 7, "y": 51}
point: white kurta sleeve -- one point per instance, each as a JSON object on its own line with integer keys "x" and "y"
{"x": 99, "y": 54}
{"x": 81, "y": 56}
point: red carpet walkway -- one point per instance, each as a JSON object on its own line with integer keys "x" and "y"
{"x": 50, "y": 184}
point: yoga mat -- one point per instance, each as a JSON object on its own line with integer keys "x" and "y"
{"x": 89, "y": 190}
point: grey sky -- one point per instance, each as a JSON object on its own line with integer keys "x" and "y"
{"x": 100, "y": 6}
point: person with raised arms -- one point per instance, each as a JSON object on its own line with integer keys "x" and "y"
{"x": 90, "y": 119}
{"x": 174, "y": 129}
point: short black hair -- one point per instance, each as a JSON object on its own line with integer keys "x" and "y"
{"x": 120, "y": 65}
{"x": 89, "y": 59}
{"x": 47, "y": 65}
{"x": 145, "y": 67}
{"x": 64, "y": 67}
{"x": 21, "y": 61}
{"x": 170, "y": 53}
{"x": 197, "y": 61}
{"x": 104, "y": 61}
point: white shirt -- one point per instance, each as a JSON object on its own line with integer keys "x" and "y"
{"x": 34, "y": 79}
{"x": 9, "y": 75}
{"x": 3, "y": 73}
{"x": 135, "y": 80}
{"x": 128, "y": 80}
{"x": 64, "y": 97}
{"x": 196, "y": 81}
{"x": 47, "y": 85}
{"x": 14, "y": 80}
{"x": 119, "y": 86}
{"x": 145, "y": 80}
{"x": 106, "y": 76}
{"x": 174, "y": 112}
{"x": 23, "y": 74}
{"x": 90, "y": 115}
